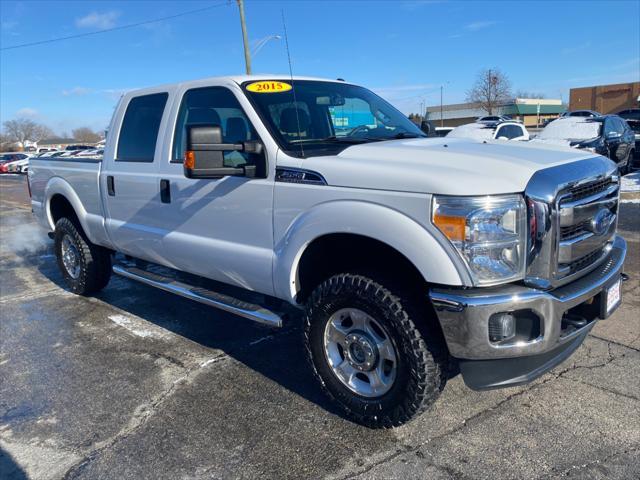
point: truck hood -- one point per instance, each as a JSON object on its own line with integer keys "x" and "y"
{"x": 441, "y": 165}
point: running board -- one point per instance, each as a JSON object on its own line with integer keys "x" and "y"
{"x": 208, "y": 297}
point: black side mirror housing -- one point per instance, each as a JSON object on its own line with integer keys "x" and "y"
{"x": 427, "y": 127}
{"x": 204, "y": 156}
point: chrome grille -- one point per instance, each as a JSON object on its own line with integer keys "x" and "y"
{"x": 573, "y": 217}
{"x": 587, "y": 216}
{"x": 589, "y": 188}
{"x": 572, "y": 231}
{"x": 581, "y": 263}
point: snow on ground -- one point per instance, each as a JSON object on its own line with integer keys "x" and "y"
{"x": 631, "y": 182}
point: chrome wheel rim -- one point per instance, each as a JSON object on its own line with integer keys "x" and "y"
{"x": 70, "y": 257}
{"x": 360, "y": 352}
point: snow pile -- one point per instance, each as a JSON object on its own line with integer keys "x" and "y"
{"x": 631, "y": 182}
{"x": 475, "y": 131}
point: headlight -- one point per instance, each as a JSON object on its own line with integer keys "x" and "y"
{"x": 488, "y": 233}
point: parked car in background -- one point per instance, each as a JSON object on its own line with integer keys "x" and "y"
{"x": 632, "y": 117}
{"x": 94, "y": 152}
{"x": 581, "y": 113}
{"x": 13, "y": 156}
{"x": 74, "y": 148}
{"x": 9, "y": 157}
{"x": 17, "y": 166}
{"x": 442, "y": 131}
{"x": 494, "y": 118}
{"x": 607, "y": 135}
{"x": 502, "y": 130}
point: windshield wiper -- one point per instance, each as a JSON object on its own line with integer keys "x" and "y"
{"x": 346, "y": 139}
{"x": 408, "y": 135}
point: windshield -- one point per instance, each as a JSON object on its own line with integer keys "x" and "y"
{"x": 571, "y": 128}
{"x": 318, "y": 118}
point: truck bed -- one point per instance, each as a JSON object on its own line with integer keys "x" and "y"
{"x": 77, "y": 179}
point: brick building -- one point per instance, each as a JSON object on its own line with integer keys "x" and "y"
{"x": 605, "y": 98}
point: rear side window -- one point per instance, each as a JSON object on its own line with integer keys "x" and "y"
{"x": 139, "y": 132}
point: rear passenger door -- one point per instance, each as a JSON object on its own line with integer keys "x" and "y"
{"x": 129, "y": 179}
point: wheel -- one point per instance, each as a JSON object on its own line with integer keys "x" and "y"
{"x": 85, "y": 267}
{"x": 368, "y": 354}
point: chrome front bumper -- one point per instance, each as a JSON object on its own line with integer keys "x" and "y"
{"x": 464, "y": 314}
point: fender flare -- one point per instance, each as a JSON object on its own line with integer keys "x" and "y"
{"x": 419, "y": 245}
{"x": 59, "y": 186}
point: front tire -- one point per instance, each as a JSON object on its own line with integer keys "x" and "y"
{"x": 369, "y": 355}
{"x": 86, "y": 267}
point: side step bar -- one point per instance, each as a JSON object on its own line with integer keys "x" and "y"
{"x": 202, "y": 295}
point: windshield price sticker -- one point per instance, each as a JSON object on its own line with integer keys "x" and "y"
{"x": 268, "y": 87}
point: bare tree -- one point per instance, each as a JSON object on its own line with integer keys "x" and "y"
{"x": 6, "y": 143}
{"x": 85, "y": 135}
{"x": 491, "y": 89}
{"x": 22, "y": 130}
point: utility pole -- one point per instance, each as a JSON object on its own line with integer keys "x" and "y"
{"x": 441, "y": 119}
{"x": 245, "y": 40}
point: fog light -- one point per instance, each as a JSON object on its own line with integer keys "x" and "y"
{"x": 502, "y": 326}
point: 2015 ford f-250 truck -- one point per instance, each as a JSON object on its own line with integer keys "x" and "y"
{"x": 409, "y": 255}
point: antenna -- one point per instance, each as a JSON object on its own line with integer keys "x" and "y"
{"x": 293, "y": 89}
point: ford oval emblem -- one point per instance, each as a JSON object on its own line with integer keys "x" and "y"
{"x": 602, "y": 221}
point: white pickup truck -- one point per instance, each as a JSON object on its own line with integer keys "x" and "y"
{"x": 412, "y": 257}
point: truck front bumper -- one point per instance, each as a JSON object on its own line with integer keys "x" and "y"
{"x": 550, "y": 325}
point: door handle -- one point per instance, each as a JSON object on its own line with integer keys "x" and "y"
{"x": 111, "y": 188}
{"x": 165, "y": 191}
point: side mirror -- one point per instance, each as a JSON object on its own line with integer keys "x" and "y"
{"x": 204, "y": 156}
{"x": 426, "y": 127}
{"x": 613, "y": 135}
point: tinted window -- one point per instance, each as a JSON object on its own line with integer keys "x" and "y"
{"x": 620, "y": 125}
{"x": 214, "y": 106}
{"x": 509, "y": 131}
{"x": 139, "y": 132}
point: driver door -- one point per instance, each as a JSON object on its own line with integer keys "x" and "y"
{"x": 218, "y": 228}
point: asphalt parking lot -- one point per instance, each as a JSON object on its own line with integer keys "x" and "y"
{"x": 137, "y": 383}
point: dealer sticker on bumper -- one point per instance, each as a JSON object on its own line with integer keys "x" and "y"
{"x": 613, "y": 296}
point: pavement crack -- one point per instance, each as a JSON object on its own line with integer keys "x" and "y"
{"x": 142, "y": 415}
{"x": 555, "y": 473}
{"x": 605, "y": 389}
{"x": 591, "y": 335}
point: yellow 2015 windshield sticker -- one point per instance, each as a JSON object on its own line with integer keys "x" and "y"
{"x": 268, "y": 87}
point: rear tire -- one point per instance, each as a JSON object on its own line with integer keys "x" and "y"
{"x": 368, "y": 354}
{"x": 86, "y": 267}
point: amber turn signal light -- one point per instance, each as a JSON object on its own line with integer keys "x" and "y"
{"x": 189, "y": 159}
{"x": 452, "y": 227}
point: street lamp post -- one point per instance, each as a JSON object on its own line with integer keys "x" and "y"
{"x": 262, "y": 42}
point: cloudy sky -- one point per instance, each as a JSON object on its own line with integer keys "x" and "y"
{"x": 404, "y": 50}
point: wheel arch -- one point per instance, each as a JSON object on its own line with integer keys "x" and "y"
{"x": 369, "y": 230}
{"x": 62, "y": 200}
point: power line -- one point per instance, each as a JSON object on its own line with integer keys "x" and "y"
{"x": 121, "y": 27}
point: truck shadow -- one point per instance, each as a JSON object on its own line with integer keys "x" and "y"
{"x": 275, "y": 353}
{"x": 9, "y": 468}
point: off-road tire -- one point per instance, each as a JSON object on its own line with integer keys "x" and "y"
{"x": 422, "y": 355}
{"x": 95, "y": 261}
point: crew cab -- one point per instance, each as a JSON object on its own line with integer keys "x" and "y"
{"x": 405, "y": 254}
